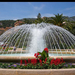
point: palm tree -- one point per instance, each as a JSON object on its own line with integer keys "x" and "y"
{"x": 57, "y": 20}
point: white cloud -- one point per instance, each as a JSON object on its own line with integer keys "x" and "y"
{"x": 32, "y": 16}
{"x": 68, "y": 11}
{"x": 68, "y": 14}
{"x": 39, "y": 8}
{"x": 71, "y": 8}
{"x": 15, "y": 19}
{"x": 36, "y": 7}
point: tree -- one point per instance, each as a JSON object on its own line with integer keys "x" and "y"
{"x": 57, "y": 20}
{"x": 38, "y": 16}
{"x": 70, "y": 26}
{"x": 38, "y": 20}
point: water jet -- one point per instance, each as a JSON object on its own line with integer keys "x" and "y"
{"x": 31, "y": 38}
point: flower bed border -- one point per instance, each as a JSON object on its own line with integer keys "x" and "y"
{"x": 37, "y": 71}
{"x": 18, "y": 58}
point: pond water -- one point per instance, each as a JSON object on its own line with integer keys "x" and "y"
{"x": 27, "y": 54}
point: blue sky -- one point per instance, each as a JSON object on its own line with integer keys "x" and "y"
{"x": 19, "y": 10}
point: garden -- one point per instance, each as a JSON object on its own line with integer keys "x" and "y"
{"x": 41, "y": 61}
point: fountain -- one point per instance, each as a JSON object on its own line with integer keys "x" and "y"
{"x": 31, "y": 38}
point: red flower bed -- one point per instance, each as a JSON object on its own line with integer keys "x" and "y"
{"x": 43, "y": 60}
{"x": 57, "y": 61}
{"x": 35, "y": 61}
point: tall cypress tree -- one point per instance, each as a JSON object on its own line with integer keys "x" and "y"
{"x": 38, "y": 16}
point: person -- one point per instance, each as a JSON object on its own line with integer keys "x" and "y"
{"x": 14, "y": 48}
{"x": 4, "y": 46}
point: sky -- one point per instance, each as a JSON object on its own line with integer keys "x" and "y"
{"x": 20, "y": 10}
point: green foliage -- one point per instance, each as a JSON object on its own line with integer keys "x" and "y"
{"x": 29, "y": 20}
{"x": 57, "y": 20}
{"x": 44, "y": 55}
{"x": 7, "y": 23}
{"x": 0, "y": 47}
{"x": 31, "y": 66}
{"x": 70, "y": 26}
{"x": 8, "y": 49}
{"x": 69, "y": 66}
{"x": 38, "y": 20}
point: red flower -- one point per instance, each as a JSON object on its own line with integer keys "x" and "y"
{"x": 25, "y": 62}
{"x": 40, "y": 61}
{"x": 3, "y": 48}
{"x": 57, "y": 61}
{"x": 45, "y": 60}
{"x": 61, "y": 59}
{"x": 28, "y": 60}
{"x": 36, "y": 55}
{"x": 33, "y": 61}
{"x": 52, "y": 61}
{"x": 46, "y": 49}
{"x": 20, "y": 62}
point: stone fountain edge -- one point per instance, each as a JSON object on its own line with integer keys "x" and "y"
{"x": 37, "y": 71}
{"x": 18, "y": 58}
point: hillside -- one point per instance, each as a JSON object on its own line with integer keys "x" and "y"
{"x": 69, "y": 18}
{"x": 65, "y": 17}
{"x": 7, "y": 24}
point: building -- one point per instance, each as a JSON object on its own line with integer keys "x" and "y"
{"x": 0, "y": 23}
{"x": 18, "y": 23}
{"x": 8, "y": 28}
